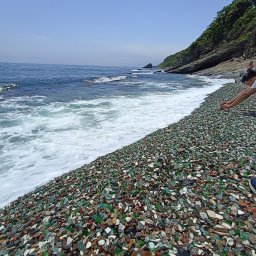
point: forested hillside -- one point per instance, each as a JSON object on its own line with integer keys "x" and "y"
{"x": 231, "y": 34}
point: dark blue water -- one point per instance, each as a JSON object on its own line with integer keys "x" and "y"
{"x": 70, "y": 82}
{"x": 54, "y": 118}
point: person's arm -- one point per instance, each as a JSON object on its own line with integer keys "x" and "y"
{"x": 229, "y": 101}
{"x": 239, "y": 98}
{"x": 232, "y": 100}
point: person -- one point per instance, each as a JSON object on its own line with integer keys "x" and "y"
{"x": 250, "y": 66}
{"x": 249, "y": 79}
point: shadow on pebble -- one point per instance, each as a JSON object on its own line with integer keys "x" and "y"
{"x": 182, "y": 252}
{"x": 249, "y": 113}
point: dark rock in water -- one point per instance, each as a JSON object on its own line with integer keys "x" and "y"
{"x": 148, "y": 66}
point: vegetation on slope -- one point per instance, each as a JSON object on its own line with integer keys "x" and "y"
{"x": 234, "y": 26}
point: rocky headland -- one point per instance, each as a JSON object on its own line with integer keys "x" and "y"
{"x": 231, "y": 36}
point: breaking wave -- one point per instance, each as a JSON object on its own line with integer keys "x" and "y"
{"x": 7, "y": 86}
{"x": 106, "y": 79}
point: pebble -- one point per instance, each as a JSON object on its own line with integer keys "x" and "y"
{"x": 230, "y": 241}
{"x": 108, "y": 230}
{"x": 88, "y": 245}
{"x": 151, "y": 246}
{"x": 101, "y": 242}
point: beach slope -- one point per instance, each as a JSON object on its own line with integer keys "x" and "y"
{"x": 182, "y": 190}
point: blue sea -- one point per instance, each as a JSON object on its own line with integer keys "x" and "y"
{"x": 55, "y": 118}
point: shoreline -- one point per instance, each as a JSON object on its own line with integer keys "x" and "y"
{"x": 126, "y": 127}
{"x": 161, "y": 193}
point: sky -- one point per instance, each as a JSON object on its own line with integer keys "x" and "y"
{"x": 101, "y": 32}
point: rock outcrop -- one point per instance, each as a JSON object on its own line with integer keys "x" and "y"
{"x": 148, "y": 66}
{"x": 210, "y": 60}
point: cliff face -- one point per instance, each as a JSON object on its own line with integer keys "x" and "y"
{"x": 231, "y": 34}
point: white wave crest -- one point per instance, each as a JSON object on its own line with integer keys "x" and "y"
{"x": 143, "y": 73}
{"x": 136, "y": 70}
{"x": 7, "y": 86}
{"x": 104, "y": 79}
{"x": 218, "y": 80}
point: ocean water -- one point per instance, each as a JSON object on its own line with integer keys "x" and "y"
{"x": 54, "y": 118}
